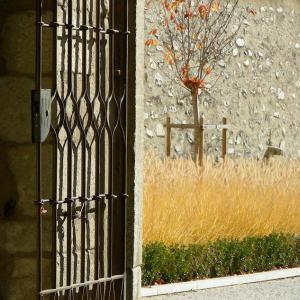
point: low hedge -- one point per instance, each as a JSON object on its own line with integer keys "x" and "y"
{"x": 166, "y": 264}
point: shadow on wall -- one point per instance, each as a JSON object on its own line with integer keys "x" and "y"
{"x": 8, "y": 200}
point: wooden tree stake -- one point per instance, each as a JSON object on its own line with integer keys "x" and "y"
{"x": 224, "y": 139}
{"x": 168, "y": 145}
{"x": 201, "y": 141}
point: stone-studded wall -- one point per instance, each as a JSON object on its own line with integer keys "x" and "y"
{"x": 259, "y": 88}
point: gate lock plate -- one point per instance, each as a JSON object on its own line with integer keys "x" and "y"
{"x": 41, "y": 114}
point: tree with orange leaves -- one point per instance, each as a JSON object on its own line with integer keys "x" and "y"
{"x": 195, "y": 35}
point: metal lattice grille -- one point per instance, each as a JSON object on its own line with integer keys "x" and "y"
{"x": 81, "y": 218}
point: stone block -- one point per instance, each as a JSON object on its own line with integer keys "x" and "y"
{"x": 15, "y": 113}
{"x": 17, "y": 180}
{"x": 18, "y": 47}
{"x": 18, "y": 44}
{"x": 19, "y": 237}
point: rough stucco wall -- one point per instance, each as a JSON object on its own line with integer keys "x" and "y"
{"x": 259, "y": 89}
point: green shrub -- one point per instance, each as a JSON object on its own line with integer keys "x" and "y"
{"x": 166, "y": 264}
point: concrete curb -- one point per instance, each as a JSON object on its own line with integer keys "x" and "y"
{"x": 173, "y": 288}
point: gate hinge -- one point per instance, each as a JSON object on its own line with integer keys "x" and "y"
{"x": 41, "y": 114}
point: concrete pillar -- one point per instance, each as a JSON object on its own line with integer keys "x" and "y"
{"x": 135, "y": 148}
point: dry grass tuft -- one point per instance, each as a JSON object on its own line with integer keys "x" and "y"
{"x": 187, "y": 204}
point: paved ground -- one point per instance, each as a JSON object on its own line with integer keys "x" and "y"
{"x": 285, "y": 289}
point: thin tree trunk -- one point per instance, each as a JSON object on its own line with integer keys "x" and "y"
{"x": 196, "y": 123}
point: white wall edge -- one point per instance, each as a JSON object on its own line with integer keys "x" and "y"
{"x": 181, "y": 287}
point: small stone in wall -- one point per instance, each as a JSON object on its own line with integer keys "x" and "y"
{"x": 246, "y": 63}
{"x": 158, "y": 79}
{"x": 190, "y": 137}
{"x": 235, "y": 52}
{"x": 246, "y": 22}
{"x": 153, "y": 64}
{"x": 279, "y": 10}
{"x": 240, "y": 42}
{"x": 277, "y": 74}
{"x": 178, "y": 149}
{"x": 146, "y": 116}
{"x": 153, "y": 115}
{"x": 170, "y": 93}
{"x": 276, "y": 115}
{"x": 260, "y": 54}
{"x": 238, "y": 140}
{"x": 172, "y": 109}
{"x": 297, "y": 46}
{"x": 230, "y": 151}
{"x": 262, "y": 9}
{"x": 250, "y": 53}
{"x": 159, "y": 48}
{"x": 149, "y": 133}
{"x": 280, "y": 94}
{"x": 160, "y": 131}
{"x": 222, "y": 63}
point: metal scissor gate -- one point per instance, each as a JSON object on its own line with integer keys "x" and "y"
{"x": 79, "y": 126}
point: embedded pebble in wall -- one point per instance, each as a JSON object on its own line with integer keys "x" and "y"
{"x": 158, "y": 79}
{"x": 149, "y": 133}
{"x": 297, "y": 84}
{"x": 280, "y": 94}
{"x": 170, "y": 93}
{"x": 222, "y": 63}
{"x": 159, "y": 48}
{"x": 246, "y": 63}
{"x": 279, "y": 10}
{"x": 178, "y": 149}
{"x": 260, "y": 54}
{"x": 240, "y": 42}
{"x": 146, "y": 116}
{"x": 153, "y": 64}
{"x": 250, "y": 53}
{"x": 262, "y": 9}
{"x": 172, "y": 109}
{"x": 246, "y": 22}
{"x": 276, "y": 115}
{"x": 190, "y": 137}
{"x": 153, "y": 115}
{"x": 230, "y": 151}
{"x": 297, "y": 46}
{"x": 238, "y": 140}
{"x": 235, "y": 52}
{"x": 160, "y": 131}
{"x": 277, "y": 75}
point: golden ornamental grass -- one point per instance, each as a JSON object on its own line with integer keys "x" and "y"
{"x": 184, "y": 203}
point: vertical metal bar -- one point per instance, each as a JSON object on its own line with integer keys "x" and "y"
{"x": 97, "y": 141}
{"x": 168, "y": 146}
{"x": 126, "y": 143}
{"x": 111, "y": 118}
{"x": 224, "y": 139}
{"x": 69, "y": 154}
{"x": 38, "y": 86}
{"x": 201, "y": 141}
{"x": 55, "y": 147}
{"x": 83, "y": 157}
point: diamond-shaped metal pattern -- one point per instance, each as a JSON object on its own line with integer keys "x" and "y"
{"x": 86, "y": 209}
